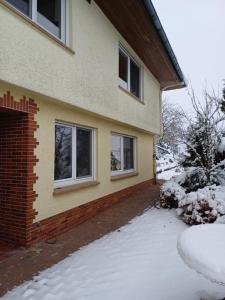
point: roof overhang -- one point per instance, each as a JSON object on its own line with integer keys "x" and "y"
{"x": 138, "y": 22}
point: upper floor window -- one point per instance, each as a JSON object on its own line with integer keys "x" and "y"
{"x": 51, "y": 15}
{"x": 129, "y": 73}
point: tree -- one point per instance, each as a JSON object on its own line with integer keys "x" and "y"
{"x": 173, "y": 120}
{"x": 204, "y": 134}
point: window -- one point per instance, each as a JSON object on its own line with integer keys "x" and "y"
{"x": 74, "y": 154}
{"x": 129, "y": 73}
{"x": 123, "y": 150}
{"x": 51, "y": 15}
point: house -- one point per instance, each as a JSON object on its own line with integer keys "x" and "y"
{"x": 80, "y": 103}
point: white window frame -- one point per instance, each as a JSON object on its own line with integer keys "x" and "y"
{"x": 122, "y": 171}
{"x": 74, "y": 180}
{"x": 126, "y": 85}
{"x": 64, "y": 29}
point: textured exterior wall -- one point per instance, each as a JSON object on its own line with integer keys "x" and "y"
{"x": 87, "y": 79}
{"x": 48, "y": 205}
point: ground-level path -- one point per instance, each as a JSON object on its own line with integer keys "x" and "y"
{"x": 19, "y": 265}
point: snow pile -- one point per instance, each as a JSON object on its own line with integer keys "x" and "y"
{"x": 137, "y": 262}
{"x": 205, "y": 205}
{"x": 202, "y": 249}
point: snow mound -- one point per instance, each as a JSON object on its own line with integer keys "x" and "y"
{"x": 202, "y": 248}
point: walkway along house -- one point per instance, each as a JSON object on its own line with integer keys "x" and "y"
{"x": 80, "y": 103}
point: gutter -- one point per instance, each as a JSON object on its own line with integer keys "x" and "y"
{"x": 159, "y": 28}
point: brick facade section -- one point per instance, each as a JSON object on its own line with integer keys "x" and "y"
{"x": 53, "y": 226}
{"x": 17, "y": 161}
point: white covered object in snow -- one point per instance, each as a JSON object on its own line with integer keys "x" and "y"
{"x": 221, "y": 146}
{"x": 202, "y": 248}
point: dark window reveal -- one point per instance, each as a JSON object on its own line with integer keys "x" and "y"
{"x": 49, "y": 15}
{"x": 134, "y": 79}
{"x": 128, "y": 148}
{"x": 63, "y": 152}
{"x": 123, "y": 60}
{"x": 21, "y": 5}
{"x": 84, "y": 152}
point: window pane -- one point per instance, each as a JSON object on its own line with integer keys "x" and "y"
{"x": 84, "y": 152}
{"x": 63, "y": 152}
{"x": 128, "y": 150}
{"x": 115, "y": 152}
{"x": 134, "y": 79}
{"x": 123, "y": 61}
{"x": 49, "y": 15}
{"x": 22, "y": 5}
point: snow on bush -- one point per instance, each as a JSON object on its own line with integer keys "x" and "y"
{"x": 205, "y": 204}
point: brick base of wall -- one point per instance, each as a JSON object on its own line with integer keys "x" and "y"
{"x": 53, "y": 226}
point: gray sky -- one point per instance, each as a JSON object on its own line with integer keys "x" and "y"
{"x": 196, "y": 31}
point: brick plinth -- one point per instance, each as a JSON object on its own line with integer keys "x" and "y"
{"x": 17, "y": 161}
{"x": 53, "y": 226}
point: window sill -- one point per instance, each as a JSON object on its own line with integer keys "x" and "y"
{"x": 37, "y": 26}
{"x": 130, "y": 94}
{"x": 123, "y": 176}
{"x": 74, "y": 187}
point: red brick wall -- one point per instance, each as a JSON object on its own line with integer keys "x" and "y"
{"x": 50, "y": 227}
{"x": 17, "y": 160}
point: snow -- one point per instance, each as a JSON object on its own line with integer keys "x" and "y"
{"x": 138, "y": 262}
{"x": 167, "y": 175}
{"x": 202, "y": 249}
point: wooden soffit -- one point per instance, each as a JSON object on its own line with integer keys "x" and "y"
{"x": 132, "y": 20}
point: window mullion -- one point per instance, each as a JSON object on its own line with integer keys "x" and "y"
{"x": 122, "y": 155}
{"x": 33, "y": 4}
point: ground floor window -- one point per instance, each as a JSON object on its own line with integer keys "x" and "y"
{"x": 123, "y": 153}
{"x": 74, "y": 154}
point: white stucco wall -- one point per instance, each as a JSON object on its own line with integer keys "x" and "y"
{"x": 87, "y": 79}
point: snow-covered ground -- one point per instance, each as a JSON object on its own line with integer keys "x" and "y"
{"x": 167, "y": 175}
{"x": 137, "y": 262}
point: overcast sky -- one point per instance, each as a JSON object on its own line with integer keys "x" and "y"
{"x": 196, "y": 31}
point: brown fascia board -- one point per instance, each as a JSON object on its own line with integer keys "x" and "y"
{"x": 165, "y": 41}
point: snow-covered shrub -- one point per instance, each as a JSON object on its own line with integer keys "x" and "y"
{"x": 192, "y": 179}
{"x": 206, "y": 205}
{"x": 171, "y": 193}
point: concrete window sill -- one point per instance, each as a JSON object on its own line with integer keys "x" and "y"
{"x": 130, "y": 94}
{"x": 123, "y": 176}
{"x": 74, "y": 187}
